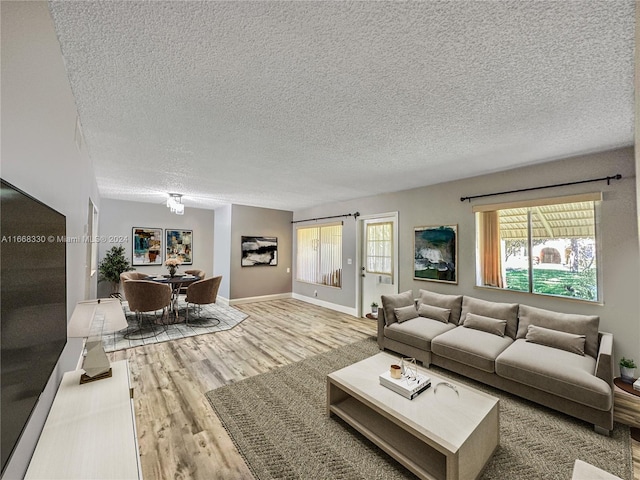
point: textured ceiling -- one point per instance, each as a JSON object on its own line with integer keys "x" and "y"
{"x": 293, "y": 104}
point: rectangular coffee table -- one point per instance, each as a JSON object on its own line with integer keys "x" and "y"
{"x": 436, "y": 436}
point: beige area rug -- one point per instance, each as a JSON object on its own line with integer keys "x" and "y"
{"x": 226, "y": 318}
{"x": 279, "y": 424}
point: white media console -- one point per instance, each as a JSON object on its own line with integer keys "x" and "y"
{"x": 90, "y": 432}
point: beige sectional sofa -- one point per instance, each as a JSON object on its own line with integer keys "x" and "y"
{"x": 558, "y": 360}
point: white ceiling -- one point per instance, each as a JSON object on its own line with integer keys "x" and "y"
{"x": 288, "y": 105}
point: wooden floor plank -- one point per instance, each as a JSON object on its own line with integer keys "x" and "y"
{"x": 180, "y": 436}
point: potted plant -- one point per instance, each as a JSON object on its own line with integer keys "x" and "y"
{"x": 112, "y": 265}
{"x": 374, "y": 308}
{"x": 627, "y": 369}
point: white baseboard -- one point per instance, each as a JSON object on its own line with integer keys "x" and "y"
{"x": 222, "y": 300}
{"x": 262, "y": 298}
{"x": 321, "y": 303}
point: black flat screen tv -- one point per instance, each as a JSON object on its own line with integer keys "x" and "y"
{"x": 33, "y": 306}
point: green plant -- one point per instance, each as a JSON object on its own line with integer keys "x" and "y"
{"x": 374, "y": 305}
{"x": 627, "y": 363}
{"x": 112, "y": 265}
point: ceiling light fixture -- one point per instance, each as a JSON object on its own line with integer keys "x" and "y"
{"x": 174, "y": 203}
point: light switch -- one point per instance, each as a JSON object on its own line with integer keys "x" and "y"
{"x": 349, "y": 261}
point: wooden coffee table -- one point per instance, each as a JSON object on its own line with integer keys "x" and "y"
{"x": 440, "y": 435}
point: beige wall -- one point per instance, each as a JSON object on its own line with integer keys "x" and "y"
{"x": 118, "y": 217}
{"x": 40, "y": 156}
{"x": 441, "y": 205}
{"x": 250, "y": 282}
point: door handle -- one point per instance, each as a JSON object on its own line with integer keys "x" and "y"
{"x": 363, "y": 275}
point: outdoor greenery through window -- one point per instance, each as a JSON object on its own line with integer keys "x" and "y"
{"x": 319, "y": 255}
{"x": 545, "y": 246}
{"x": 380, "y": 248}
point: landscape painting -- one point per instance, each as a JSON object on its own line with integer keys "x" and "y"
{"x": 180, "y": 245}
{"x": 436, "y": 253}
{"x": 147, "y": 246}
{"x": 259, "y": 251}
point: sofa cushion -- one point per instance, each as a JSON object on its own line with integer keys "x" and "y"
{"x": 435, "y": 313}
{"x": 452, "y": 302}
{"x": 556, "y": 339}
{"x": 405, "y": 313}
{"x": 586, "y": 325}
{"x": 502, "y": 311}
{"x": 418, "y": 332}
{"x": 495, "y": 326}
{"x": 471, "y": 347}
{"x": 389, "y": 302}
{"x": 555, "y": 371}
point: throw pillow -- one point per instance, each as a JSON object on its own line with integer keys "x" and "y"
{"x": 405, "y": 313}
{"x": 495, "y": 326}
{"x": 556, "y": 339}
{"x": 389, "y": 302}
{"x": 586, "y": 325}
{"x": 502, "y": 311}
{"x": 434, "y": 313}
{"x": 452, "y": 302}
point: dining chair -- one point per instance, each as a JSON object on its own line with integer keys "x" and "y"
{"x": 145, "y": 296}
{"x": 203, "y": 292}
{"x": 197, "y": 273}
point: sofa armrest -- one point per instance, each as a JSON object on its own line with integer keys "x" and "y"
{"x": 604, "y": 362}
{"x": 381, "y": 325}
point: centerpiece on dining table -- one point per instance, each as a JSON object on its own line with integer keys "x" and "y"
{"x": 172, "y": 264}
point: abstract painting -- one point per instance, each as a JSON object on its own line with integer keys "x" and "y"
{"x": 259, "y": 251}
{"x": 180, "y": 245}
{"x": 147, "y": 246}
{"x": 436, "y": 253}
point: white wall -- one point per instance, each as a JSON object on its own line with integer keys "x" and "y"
{"x": 118, "y": 217}
{"x": 222, "y": 249}
{"x": 441, "y": 205}
{"x": 40, "y": 156}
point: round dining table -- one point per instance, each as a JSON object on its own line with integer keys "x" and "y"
{"x": 176, "y": 282}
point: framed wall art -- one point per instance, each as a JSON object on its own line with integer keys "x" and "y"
{"x": 180, "y": 245}
{"x": 436, "y": 253}
{"x": 147, "y": 246}
{"x": 259, "y": 251}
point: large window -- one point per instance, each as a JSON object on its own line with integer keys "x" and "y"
{"x": 319, "y": 255}
{"x": 545, "y": 246}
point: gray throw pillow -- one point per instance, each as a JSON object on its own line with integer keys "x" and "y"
{"x": 405, "y": 313}
{"x": 556, "y": 339}
{"x": 452, "y": 302}
{"x": 495, "y": 326}
{"x": 502, "y": 311}
{"x": 434, "y": 313}
{"x": 389, "y": 302}
{"x": 586, "y": 325}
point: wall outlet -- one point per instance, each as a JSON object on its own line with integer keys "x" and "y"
{"x": 315, "y": 293}
{"x": 288, "y": 270}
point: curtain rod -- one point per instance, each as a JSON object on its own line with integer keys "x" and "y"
{"x": 608, "y": 179}
{"x": 354, "y": 215}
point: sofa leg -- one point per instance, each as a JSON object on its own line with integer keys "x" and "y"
{"x": 602, "y": 431}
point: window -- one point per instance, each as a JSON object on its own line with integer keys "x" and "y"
{"x": 380, "y": 248}
{"x": 319, "y": 255}
{"x": 545, "y": 246}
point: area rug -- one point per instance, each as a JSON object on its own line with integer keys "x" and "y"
{"x": 278, "y": 422}
{"x": 229, "y": 317}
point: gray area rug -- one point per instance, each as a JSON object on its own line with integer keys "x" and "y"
{"x": 278, "y": 422}
{"x": 228, "y": 318}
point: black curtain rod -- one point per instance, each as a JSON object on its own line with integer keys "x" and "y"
{"x": 354, "y": 215}
{"x": 608, "y": 179}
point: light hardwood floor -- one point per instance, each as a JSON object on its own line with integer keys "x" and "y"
{"x": 179, "y": 435}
